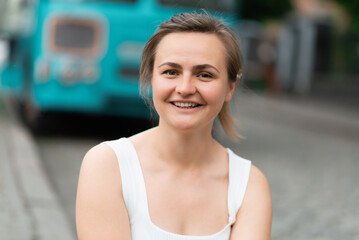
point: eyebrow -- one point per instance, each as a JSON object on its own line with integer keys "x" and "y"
{"x": 171, "y": 64}
{"x": 204, "y": 66}
{"x": 197, "y": 67}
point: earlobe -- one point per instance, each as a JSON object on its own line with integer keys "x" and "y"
{"x": 231, "y": 88}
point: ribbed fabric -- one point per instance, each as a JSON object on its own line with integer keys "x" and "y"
{"x": 135, "y": 196}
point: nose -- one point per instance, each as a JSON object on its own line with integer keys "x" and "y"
{"x": 186, "y": 85}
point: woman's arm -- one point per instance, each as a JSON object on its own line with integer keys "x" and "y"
{"x": 100, "y": 209}
{"x": 254, "y": 218}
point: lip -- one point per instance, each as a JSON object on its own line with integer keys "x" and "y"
{"x": 186, "y": 101}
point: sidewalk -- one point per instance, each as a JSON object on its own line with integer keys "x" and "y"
{"x": 29, "y": 208}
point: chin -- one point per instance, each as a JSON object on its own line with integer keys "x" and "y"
{"x": 190, "y": 126}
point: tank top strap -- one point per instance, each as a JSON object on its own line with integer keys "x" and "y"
{"x": 130, "y": 169}
{"x": 239, "y": 169}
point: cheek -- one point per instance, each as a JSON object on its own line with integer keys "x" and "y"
{"x": 215, "y": 94}
{"x": 160, "y": 91}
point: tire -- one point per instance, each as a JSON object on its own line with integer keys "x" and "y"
{"x": 33, "y": 117}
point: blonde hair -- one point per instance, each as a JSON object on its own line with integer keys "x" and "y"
{"x": 202, "y": 23}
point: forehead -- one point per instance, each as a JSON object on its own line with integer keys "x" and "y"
{"x": 191, "y": 46}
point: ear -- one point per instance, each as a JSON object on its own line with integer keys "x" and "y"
{"x": 230, "y": 91}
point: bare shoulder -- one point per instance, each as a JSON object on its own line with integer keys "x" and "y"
{"x": 99, "y": 158}
{"x": 100, "y": 166}
{"x": 257, "y": 180}
{"x": 254, "y": 218}
{"x": 100, "y": 208}
{"x": 258, "y": 192}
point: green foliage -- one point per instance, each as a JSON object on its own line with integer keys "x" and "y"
{"x": 262, "y": 10}
{"x": 352, "y": 8}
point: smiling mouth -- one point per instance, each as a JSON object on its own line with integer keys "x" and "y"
{"x": 186, "y": 105}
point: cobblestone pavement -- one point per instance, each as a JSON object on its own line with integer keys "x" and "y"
{"x": 15, "y": 222}
{"x": 29, "y": 209}
{"x": 62, "y": 157}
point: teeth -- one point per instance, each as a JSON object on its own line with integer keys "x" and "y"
{"x": 185, "y": 104}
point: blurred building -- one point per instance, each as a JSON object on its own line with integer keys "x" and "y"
{"x": 3, "y": 52}
{"x": 16, "y": 16}
{"x": 307, "y": 42}
{"x": 309, "y": 51}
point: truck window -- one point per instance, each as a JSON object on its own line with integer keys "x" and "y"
{"x": 74, "y": 35}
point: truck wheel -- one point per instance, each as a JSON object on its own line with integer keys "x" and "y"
{"x": 32, "y": 116}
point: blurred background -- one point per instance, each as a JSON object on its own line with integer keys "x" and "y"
{"x": 69, "y": 80}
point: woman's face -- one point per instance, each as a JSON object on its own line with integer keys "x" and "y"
{"x": 189, "y": 81}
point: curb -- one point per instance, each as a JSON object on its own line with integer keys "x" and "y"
{"x": 48, "y": 218}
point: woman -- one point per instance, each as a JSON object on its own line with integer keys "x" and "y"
{"x": 175, "y": 181}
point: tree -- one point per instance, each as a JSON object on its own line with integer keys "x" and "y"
{"x": 352, "y": 7}
{"x": 262, "y": 10}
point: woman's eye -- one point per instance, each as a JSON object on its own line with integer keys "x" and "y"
{"x": 205, "y": 75}
{"x": 170, "y": 72}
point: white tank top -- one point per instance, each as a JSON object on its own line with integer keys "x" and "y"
{"x": 135, "y": 196}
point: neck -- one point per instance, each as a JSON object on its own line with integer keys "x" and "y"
{"x": 186, "y": 149}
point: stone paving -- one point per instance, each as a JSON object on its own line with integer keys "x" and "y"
{"x": 314, "y": 183}
{"x": 15, "y": 219}
{"x": 29, "y": 208}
